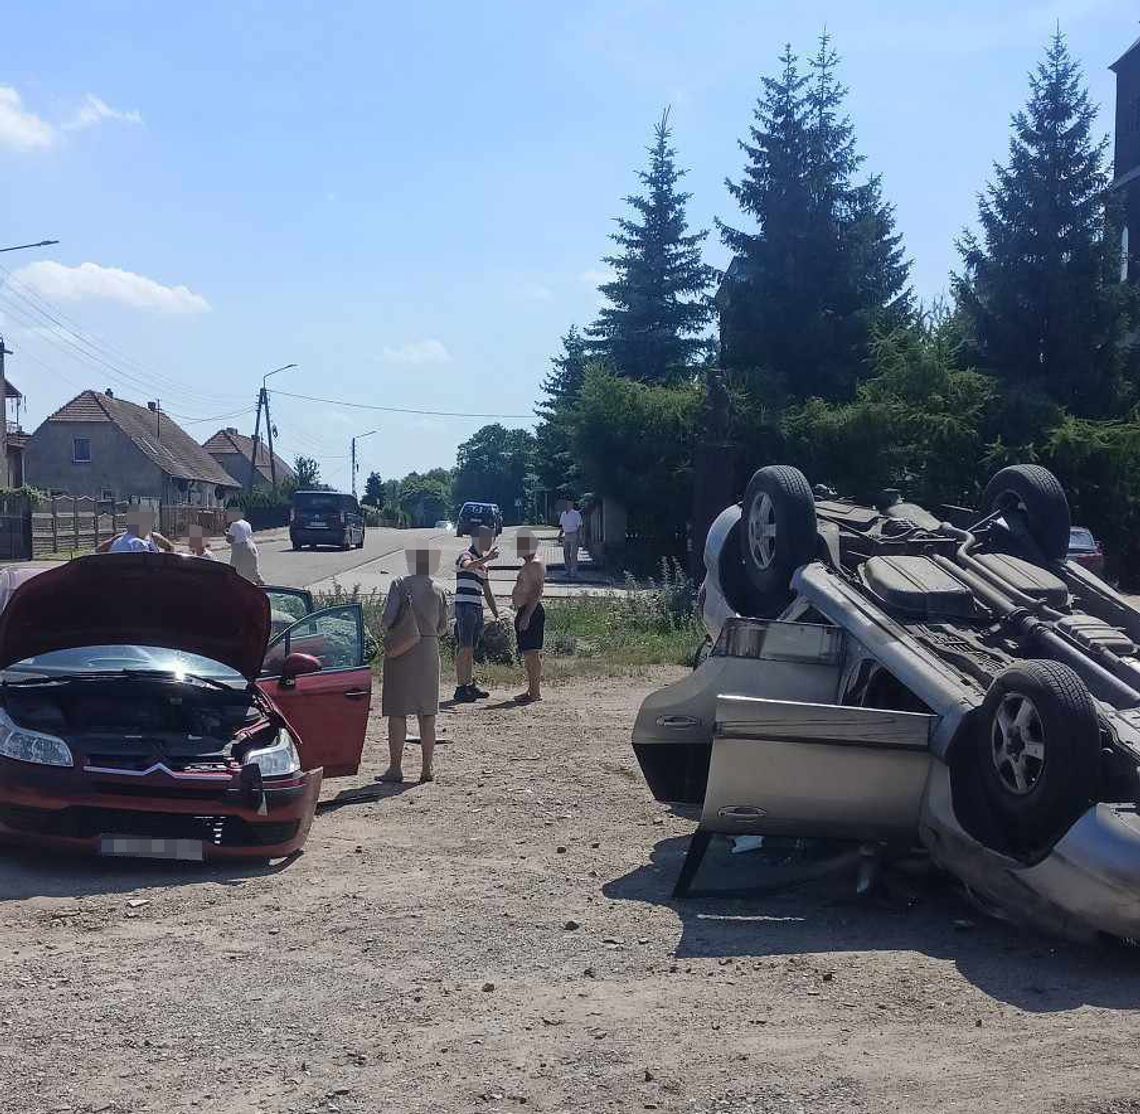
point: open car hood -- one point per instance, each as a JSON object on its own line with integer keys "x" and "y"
{"x": 145, "y": 599}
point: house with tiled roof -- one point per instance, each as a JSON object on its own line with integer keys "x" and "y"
{"x": 234, "y": 452}
{"x": 110, "y": 448}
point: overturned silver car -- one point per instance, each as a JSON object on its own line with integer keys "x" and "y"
{"x": 889, "y": 676}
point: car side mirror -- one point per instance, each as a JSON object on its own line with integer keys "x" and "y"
{"x": 296, "y": 665}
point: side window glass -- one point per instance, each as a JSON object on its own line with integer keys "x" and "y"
{"x": 335, "y": 637}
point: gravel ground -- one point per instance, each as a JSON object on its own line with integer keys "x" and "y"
{"x": 504, "y": 940}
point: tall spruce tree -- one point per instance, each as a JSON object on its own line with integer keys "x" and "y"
{"x": 1040, "y": 295}
{"x": 825, "y": 266}
{"x": 555, "y": 463}
{"x": 653, "y": 328}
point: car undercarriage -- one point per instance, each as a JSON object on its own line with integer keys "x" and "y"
{"x": 885, "y": 675}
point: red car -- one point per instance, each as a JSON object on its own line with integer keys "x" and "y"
{"x": 137, "y": 717}
{"x": 1085, "y": 550}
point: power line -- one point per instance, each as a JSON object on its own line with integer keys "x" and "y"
{"x": 405, "y": 410}
{"x": 215, "y": 418}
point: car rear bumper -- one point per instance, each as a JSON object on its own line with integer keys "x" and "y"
{"x": 66, "y": 810}
{"x": 329, "y": 536}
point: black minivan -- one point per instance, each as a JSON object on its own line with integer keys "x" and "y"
{"x": 326, "y": 518}
{"x": 474, "y": 515}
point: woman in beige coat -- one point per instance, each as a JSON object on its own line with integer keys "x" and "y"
{"x": 411, "y": 681}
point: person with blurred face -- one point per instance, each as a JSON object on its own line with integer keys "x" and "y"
{"x": 569, "y": 531}
{"x": 198, "y": 545}
{"x": 243, "y": 549}
{"x": 472, "y": 587}
{"x": 139, "y": 536}
{"x": 530, "y": 616}
{"x": 411, "y": 681}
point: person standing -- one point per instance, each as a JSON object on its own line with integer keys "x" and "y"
{"x": 569, "y": 530}
{"x": 197, "y": 543}
{"x": 138, "y": 537}
{"x": 472, "y": 587}
{"x": 411, "y": 681}
{"x": 243, "y": 550}
{"x": 530, "y": 616}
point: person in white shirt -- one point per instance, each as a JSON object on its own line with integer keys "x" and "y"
{"x": 569, "y": 531}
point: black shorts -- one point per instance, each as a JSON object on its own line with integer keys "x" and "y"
{"x": 531, "y": 638}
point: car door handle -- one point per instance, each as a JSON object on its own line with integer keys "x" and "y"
{"x": 357, "y": 694}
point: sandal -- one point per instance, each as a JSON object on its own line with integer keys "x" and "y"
{"x": 391, "y": 776}
{"x": 426, "y": 777}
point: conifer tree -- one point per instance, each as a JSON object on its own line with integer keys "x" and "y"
{"x": 555, "y": 463}
{"x": 653, "y": 328}
{"x": 1040, "y": 295}
{"x": 825, "y": 265}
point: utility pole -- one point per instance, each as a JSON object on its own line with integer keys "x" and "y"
{"x": 253, "y": 448}
{"x": 263, "y": 401}
{"x": 358, "y": 437}
{"x": 4, "y": 351}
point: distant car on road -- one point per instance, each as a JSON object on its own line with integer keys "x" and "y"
{"x": 474, "y": 515}
{"x": 444, "y": 524}
{"x": 1086, "y": 550}
{"x": 326, "y": 518}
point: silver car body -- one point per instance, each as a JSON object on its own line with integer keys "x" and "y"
{"x": 766, "y": 744}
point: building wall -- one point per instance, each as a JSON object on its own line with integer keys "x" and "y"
{"x": 1127, "y": 149}
{"x": 238, "y": 467}
{"x": 116, "y": 464}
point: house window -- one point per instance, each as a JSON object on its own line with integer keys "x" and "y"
{"x": 81, "y": 450}
{"x": 107, "y": 496}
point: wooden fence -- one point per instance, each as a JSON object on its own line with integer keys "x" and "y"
{"x": 70, "y": 524}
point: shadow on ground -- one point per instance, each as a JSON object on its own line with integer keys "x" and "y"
{"x": 26, "y": 873}
{"x": 913, "y": 909}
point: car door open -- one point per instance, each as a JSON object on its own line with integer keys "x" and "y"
{"x": 327, "y": 708}
{"x": 782, "y": 767}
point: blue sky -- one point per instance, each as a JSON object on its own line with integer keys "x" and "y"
{"x": 411, "y": 202}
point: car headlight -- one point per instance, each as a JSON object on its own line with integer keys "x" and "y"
{"x": 280, "y": 759}
{"x": 32, "y": 746}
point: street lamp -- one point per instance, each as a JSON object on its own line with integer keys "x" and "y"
{"x": 41, "y": 244}
{"x": 358, "y": 437}
{"x": 263, "y": 400}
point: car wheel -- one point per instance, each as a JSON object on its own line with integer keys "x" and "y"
{"x": 1038, "y": 495}
{"x": 778, "y": 528}
{"x": 1038, "y": 751}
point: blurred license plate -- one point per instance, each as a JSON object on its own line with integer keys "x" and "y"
{"x": 185, "y": 850}
{"x": 317, "y": 522}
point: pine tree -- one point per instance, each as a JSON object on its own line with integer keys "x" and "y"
{"x": 825, "y": 266}
{"x": 1040, "y": 295}
{"x": 654, "y": 326}
{"x": 555, "y": 463}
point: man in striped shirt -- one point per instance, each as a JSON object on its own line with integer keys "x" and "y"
{"x": 472, "y": 587}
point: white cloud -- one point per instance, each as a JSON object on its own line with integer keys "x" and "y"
{"x": 21, "y": 130}
{"x": 95, "y": 110}
{"x": 91, "y": 281}
{"x": 418, "y": 352}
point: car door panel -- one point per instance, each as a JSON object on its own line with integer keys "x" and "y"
{"x": 328, "y": 710}
{"x": 787, "y": 768}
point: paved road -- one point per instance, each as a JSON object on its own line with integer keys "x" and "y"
{"x": 382, "y": 559}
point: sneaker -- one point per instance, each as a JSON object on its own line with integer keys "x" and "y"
{"x": 478, "y": 693}
{"x": 465, "y": 694}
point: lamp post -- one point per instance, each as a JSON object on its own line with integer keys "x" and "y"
{"x": 358, "y": 437}
{"x": 263, "y": 401}
{"x": 4, "y": 351}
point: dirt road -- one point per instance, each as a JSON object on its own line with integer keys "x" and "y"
{"x": 503, "y": 940}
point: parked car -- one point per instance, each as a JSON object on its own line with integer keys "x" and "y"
{"x": 326, "y": 518}
{"x": 134, "y": 721}
{"x": 1086, "y": 550}
{"x": 883, "y": 676}
{"x": 444, "y": 524}
{"x": 474, "y": 515}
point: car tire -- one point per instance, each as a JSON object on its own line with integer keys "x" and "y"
{"x": 777, "y": 528}
{"x": 1037, "y": 752}
{"x": 1039, "y": 496}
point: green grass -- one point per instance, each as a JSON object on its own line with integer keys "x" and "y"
{"x": 648, "y": 623}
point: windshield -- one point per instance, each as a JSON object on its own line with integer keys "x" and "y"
{"x": 318, "y": 502}
{"x": 1080, "y": 538}
{"x": 109, "y": 659}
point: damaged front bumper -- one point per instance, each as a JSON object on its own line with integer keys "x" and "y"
{"x": 160, "y": 814}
